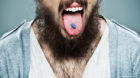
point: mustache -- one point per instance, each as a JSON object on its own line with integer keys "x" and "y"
{"x": 67, "y": 3}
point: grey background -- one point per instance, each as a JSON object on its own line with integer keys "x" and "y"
{"x": 126, "y": 12}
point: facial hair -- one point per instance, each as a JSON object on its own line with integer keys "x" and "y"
{"x": 61, "y": 47}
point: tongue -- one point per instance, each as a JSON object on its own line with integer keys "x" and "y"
{"x": 76, "y": 19}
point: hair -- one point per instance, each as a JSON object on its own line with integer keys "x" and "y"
{"x": 61, "y": 47}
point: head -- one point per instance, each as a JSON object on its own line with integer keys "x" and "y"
{"x": 54, "y": 19}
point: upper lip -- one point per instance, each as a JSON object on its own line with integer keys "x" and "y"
{"x": 74, "y": 4}
{"x": 74, "y": 7}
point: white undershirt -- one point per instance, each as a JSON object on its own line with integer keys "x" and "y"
{"x": 97, "y": 67}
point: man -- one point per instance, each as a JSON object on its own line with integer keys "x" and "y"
{"x": 70, "y": 39}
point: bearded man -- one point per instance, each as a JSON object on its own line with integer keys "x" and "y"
{"x": 70, "y": 39}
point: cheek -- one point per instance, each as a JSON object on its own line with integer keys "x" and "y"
{"x": 90, "y": 3}
{"x": 52, "y": 4}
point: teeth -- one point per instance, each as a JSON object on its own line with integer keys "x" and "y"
{"x": 74, "y": 9}
{"x": 80, "y": 8}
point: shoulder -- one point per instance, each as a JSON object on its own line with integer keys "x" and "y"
{"x": 14, "y": 49}
{"x": 11, "y": 47}
{"x": 125, "y": 34}
{"x": 15, "y": 34}
{"x": 128, "y": 42}
{"x": 12, "y": 39}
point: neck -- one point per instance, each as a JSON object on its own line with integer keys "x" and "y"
{"x": 47, "y": 49}
{"x": 72, "y": 68}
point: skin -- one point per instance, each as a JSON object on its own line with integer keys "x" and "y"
{"x": 68, "y": 68}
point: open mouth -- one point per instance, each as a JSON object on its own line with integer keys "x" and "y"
{"x": 72, "y": 18}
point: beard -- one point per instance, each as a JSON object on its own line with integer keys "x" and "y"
{"x": 61, "y": 47}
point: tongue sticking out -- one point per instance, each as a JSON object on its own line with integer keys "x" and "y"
{"x": 76, "y": 20}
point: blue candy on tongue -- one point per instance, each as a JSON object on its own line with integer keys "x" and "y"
{"x": 73, "y": 26}
{"x": 76, "y": 19}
